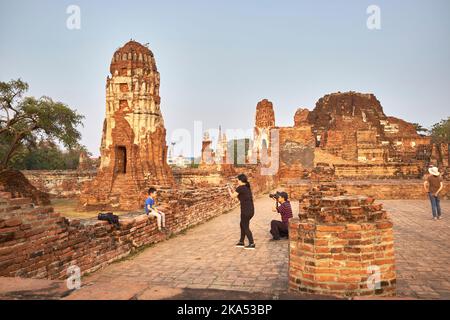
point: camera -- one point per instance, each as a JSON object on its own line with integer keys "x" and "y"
{"x": 279, "y": 194}
{"x": 275, "y": 195}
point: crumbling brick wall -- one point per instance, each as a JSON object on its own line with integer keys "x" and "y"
{"x": 337, "y": 243}
{"x": 379, "y": 189}
{"x": 59, "y": 183}
{"x": 296, "y": 152}
{"x": 39, "y": 243}
{"x": 379, "y": 171}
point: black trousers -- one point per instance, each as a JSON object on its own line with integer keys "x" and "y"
{"x": 245, "y": 227}
{"x": 278, "y": 229}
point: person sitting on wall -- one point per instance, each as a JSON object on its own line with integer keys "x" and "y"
{"x": 281, "y": 228}
{"x": 152, "y": 211}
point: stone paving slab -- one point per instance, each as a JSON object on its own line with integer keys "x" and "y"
{"x": 32, "y": 289}
{"x": 422, "y": 248}
{"x": 204, "y": 258}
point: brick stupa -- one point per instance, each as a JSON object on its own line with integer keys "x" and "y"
{"x": 264, "y": 122}
{"x": 133, "y": 147}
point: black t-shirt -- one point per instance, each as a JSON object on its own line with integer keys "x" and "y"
{"x": 246, "y": 199}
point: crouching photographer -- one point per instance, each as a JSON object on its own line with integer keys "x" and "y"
{"x": 282, "y": 205}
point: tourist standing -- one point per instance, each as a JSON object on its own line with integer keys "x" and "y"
{"x": 244, "y": 193}
{"x": 433, "y": 185}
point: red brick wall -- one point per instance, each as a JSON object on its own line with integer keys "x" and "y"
{"x": 39, "y": 243}
{"x": 335, "y": 243}
{"x": 379, "y": 171}
{"x": 59, "y": 183}
{"x": 382, "y": 190}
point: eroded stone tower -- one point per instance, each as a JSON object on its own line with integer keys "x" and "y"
{"x": 133, "y": 147}
{"x": 264, "y": 121}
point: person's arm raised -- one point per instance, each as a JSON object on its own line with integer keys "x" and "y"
{"x": 232, "y": 193}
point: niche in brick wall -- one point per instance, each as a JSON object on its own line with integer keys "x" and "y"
{"x": 121, "y": 160}
{"x": 123, "y": 87}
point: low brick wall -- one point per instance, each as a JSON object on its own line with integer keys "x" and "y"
{"x": 59, "y": 183}
{"x": 342, "y": 246}
{"x": 196, "y": 176}
{"x": 379, "y": 189}
{"x": 379, "y": 171}
{"x": 39, "y": 243}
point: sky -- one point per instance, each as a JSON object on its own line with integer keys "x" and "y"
{"x": 217, "y": 59}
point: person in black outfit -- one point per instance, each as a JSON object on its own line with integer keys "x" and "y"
{"x": 244, "y": 194}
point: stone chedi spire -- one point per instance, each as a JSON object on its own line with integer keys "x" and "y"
{"x": 207, "y": 152}
{"x": 264, "y": 121}
{"x": 133, "y": 147}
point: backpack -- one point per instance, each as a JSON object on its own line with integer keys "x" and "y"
{"x": 110, "y": 217}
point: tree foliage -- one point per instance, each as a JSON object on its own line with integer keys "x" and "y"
{"x": 47, "y": 156}
{"x": 440, "y": 132}
{"x": 26, "y": 120}
{"x": 420, "y": 129}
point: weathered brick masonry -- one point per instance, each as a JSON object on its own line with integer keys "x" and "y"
{"x": 378, "y": 189}
{"x": 133, "y": 148}
{"x": 59, "y": 183}
{"x": 39, "y": 243}
{"x": 336, "y": 244}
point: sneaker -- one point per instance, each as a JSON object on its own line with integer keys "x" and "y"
{"x": 439, "y": 218}
{"x": 434, "y": 218}
{"x": 251, "y": 246}
{"x": 240, "y": 245}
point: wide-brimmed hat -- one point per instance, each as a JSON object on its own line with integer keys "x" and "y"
{"x": 434, "y": 171}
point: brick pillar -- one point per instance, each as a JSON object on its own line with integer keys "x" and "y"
{"x": 339, "y": 243}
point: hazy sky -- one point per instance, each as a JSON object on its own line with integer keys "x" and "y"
{"x": 217, "y": 59}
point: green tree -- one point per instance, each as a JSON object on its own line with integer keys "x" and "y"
{"x": 440, "y": 132}
{"x": 25, "y": 120}
{"x": 47, "y": 155}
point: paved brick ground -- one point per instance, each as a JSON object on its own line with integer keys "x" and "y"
{"x": 205, "y": 257}
{"x": 422, "y": 249}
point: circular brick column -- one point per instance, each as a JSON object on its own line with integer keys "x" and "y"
{"x": 342, "y": 246}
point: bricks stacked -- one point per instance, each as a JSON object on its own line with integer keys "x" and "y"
{"x": 133, "y": 148}
{"x": 380, "y": 189}
{"x": 380, "y": 171}
{"x": 36, "y": 242}
{"x": 322, "y": 185}
{"x": 296, "y": 153}
{"x": 59, "y": 183}
{"x": 354, "y": 127}
{"x": 337, "y": 243}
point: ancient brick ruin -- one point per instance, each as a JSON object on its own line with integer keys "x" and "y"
{"x": 264, "y": 122}
{"x": 350, "y": 131}
{"x": 337, "y": 244}
{"x": 133, "y": 147}
{"x": 340, "y": 245}
{"x": 36, "y": 242}
{"x": 344, "y": 148}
